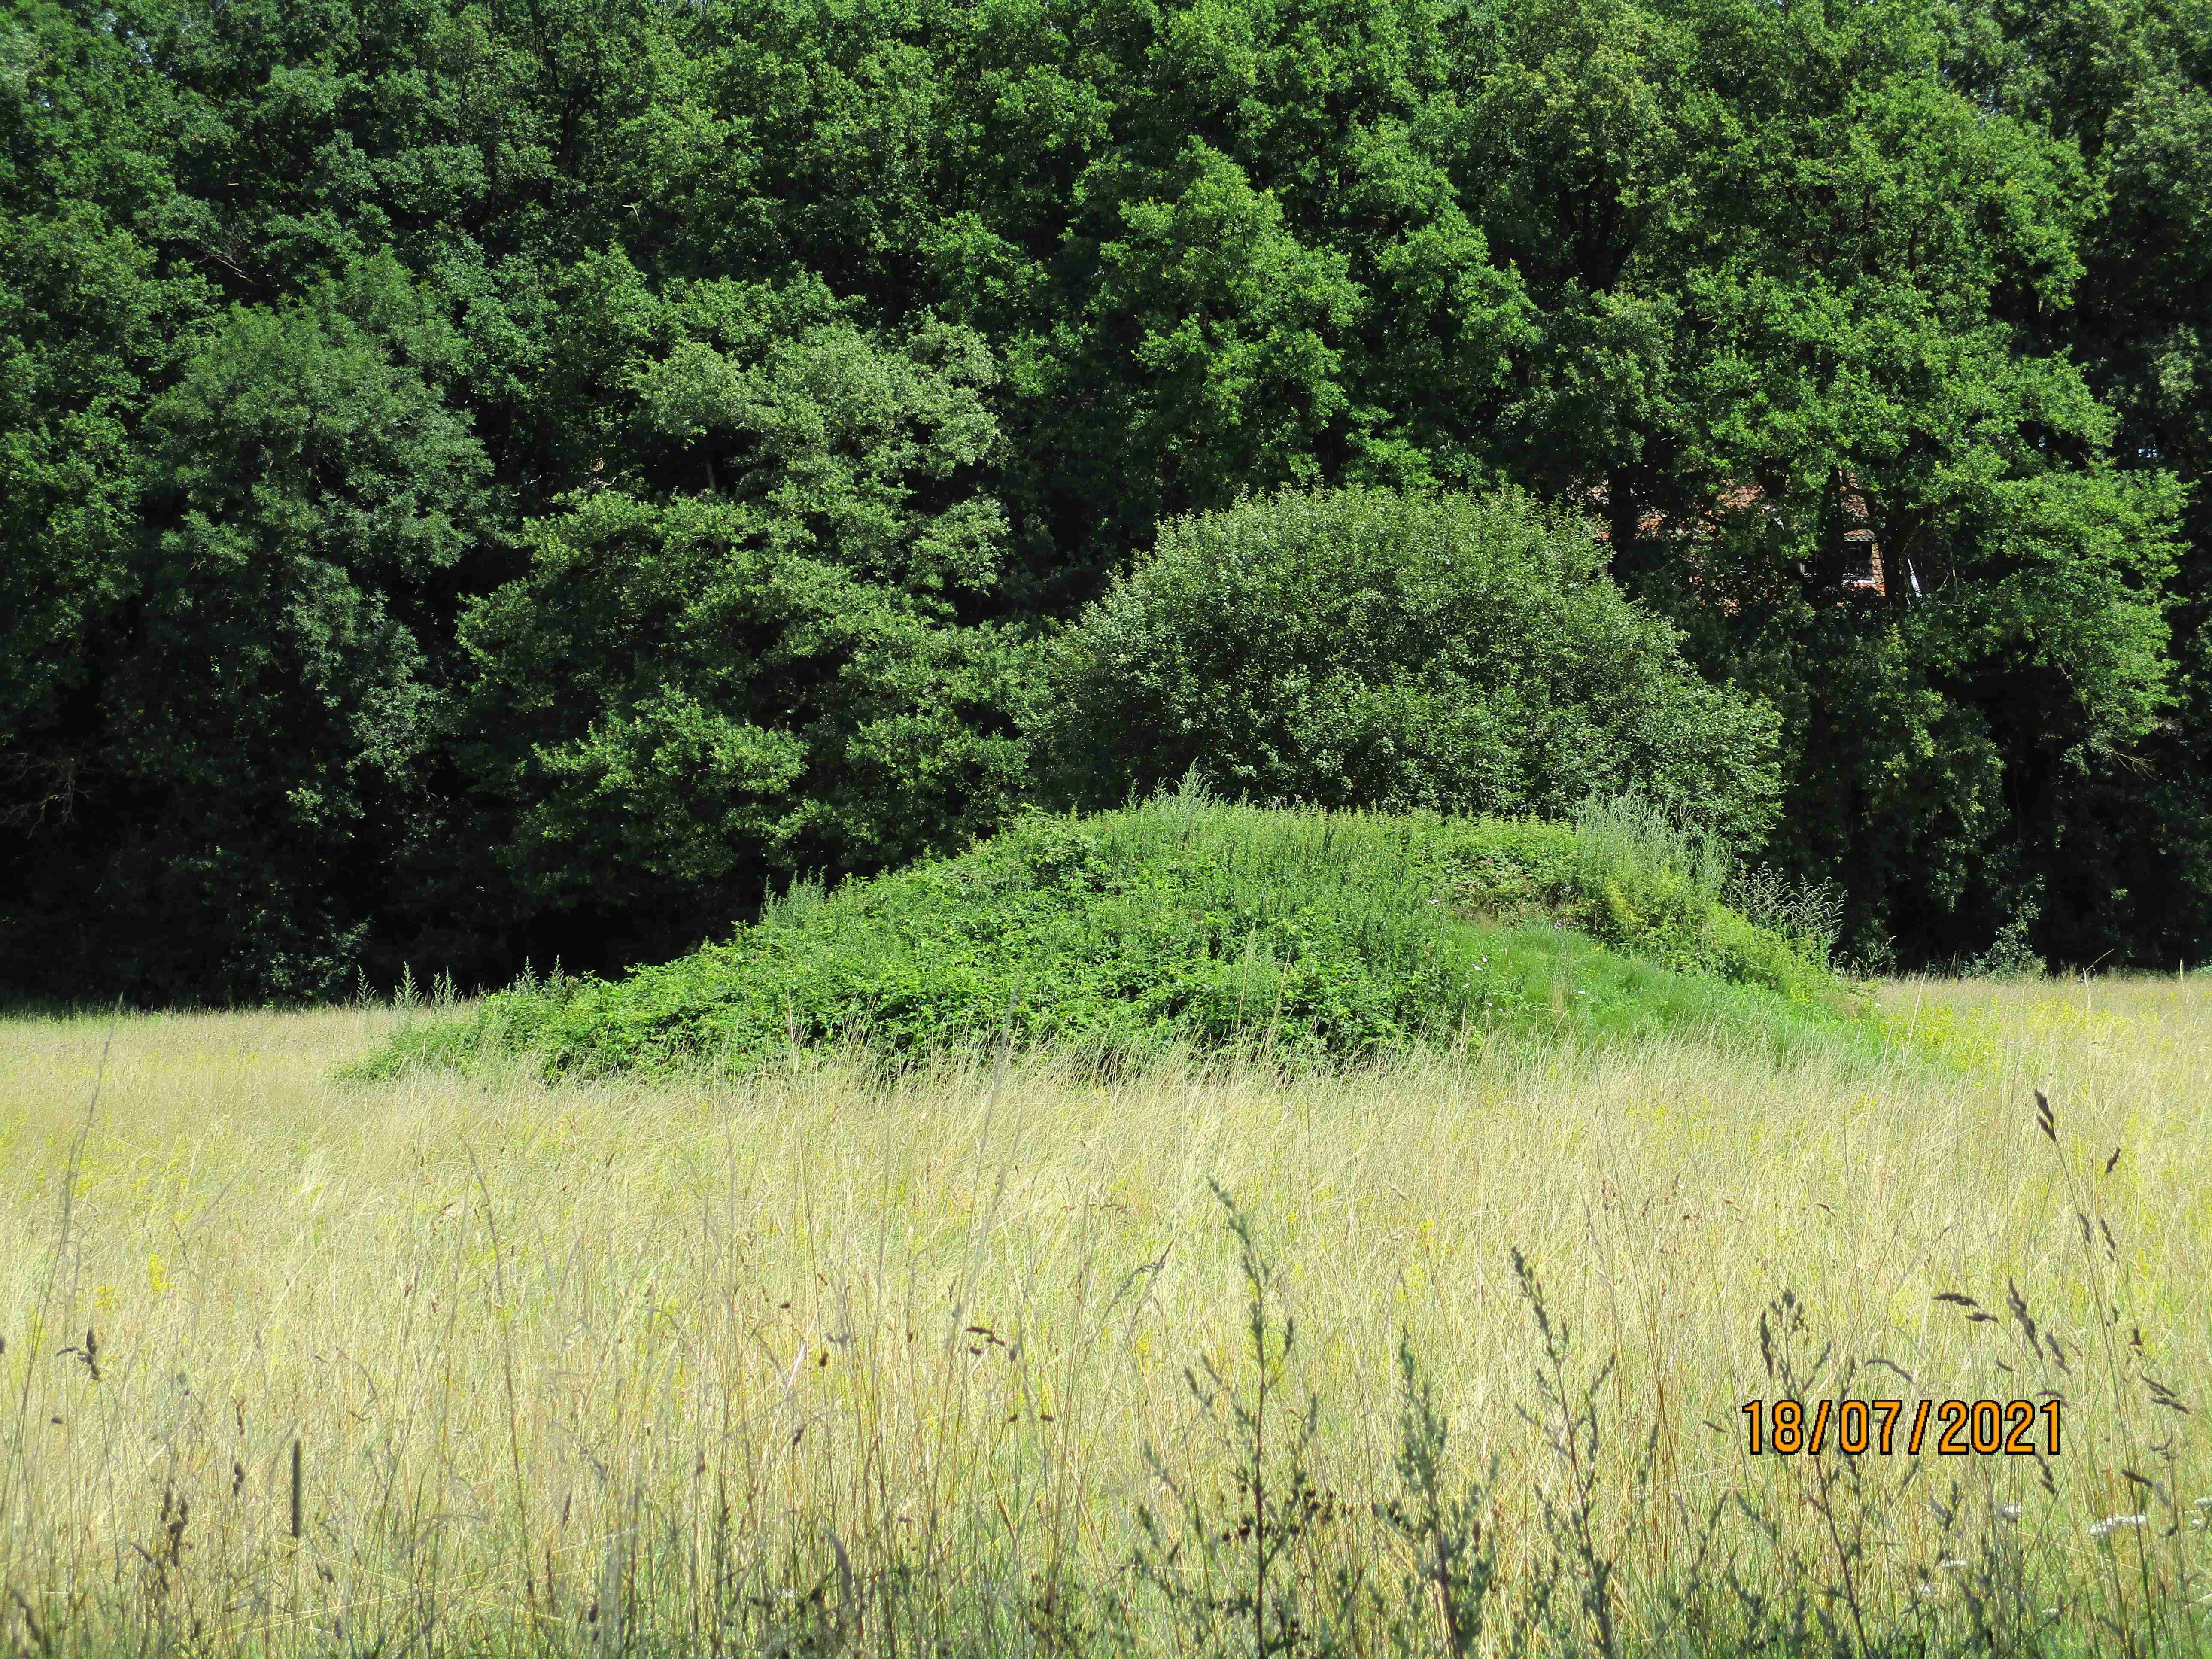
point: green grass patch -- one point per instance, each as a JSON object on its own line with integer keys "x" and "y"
{"x": 1189, "y": 925}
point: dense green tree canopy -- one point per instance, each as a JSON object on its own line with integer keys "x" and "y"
{"x": 481, "y": 478}
{"x": 769, "y": 670}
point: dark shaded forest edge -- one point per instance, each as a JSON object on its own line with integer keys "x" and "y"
{"x": 499, "y": 482}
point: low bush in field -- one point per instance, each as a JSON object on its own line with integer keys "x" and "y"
{"x": 1357, "y": 647}
{"x": 1191, "y": 924}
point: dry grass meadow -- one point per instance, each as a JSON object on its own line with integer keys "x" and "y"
{"x": 815, "y": 1362}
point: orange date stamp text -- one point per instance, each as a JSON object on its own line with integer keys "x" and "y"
{"x": 1948, "y": 1428}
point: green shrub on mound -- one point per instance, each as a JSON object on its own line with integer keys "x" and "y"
{"x": 1190, "y": 924}
{"x": 1365, "y": 647}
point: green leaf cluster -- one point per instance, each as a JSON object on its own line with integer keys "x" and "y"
{"x": 1368, "y": 648}
{"x": 769, "y": 671}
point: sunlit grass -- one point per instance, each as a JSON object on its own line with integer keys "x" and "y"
{"x": 562, "y": 1356}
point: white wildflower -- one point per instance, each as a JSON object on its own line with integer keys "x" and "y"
{"x": 1954, "y": 1564}
{"x": 2007, "y": 1511}
{"x": 2101, "y": 1529}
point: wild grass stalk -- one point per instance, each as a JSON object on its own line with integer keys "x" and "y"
{"x": 617, "y": 1370}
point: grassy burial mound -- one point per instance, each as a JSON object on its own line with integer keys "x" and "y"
{"x": 1189, "y": 925}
